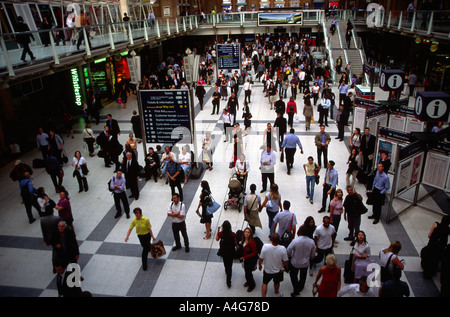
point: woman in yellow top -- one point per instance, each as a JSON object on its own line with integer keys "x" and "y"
{"x": 144, "y": 233}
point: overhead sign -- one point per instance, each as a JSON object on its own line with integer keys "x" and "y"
{"x": 228, "y": 56}
{"x": 165, "y": 112}
{"x": 392, "y": 79}
{"x": 432, "y": 106}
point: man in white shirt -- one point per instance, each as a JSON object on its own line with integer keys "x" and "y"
{"x": 324, "y": 236}
{"x": 268, "y": 161}
{"x": 357, "y": 290}
{"x": 247, "y": 90}
{"x": 275, "y": 259}
{"x": 177, "y": 211}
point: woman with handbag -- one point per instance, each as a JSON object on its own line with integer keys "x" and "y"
{"x": 251, "y": 209}
{"x": 312, "y": 174}
{"x": 272, "y": 202}
{"x": 80, "y": 172}
{"x": 45, "y": 202}
{"x": 227, "y": 249}
{"x": 249, "y": 258}
{"x": 205, "y": 199}
{"x": 388, "y": 259}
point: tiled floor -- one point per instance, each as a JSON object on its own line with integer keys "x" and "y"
{"x": 111, "y": 267}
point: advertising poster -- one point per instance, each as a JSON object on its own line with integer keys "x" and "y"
{"x": 359, "y": 118}
{"x": 409, "y": 171}
{"x": 280, "y": 18}
{"x": 397, "y": 123}
{"x": 390, "y": 149}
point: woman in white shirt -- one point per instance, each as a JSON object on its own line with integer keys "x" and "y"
{"x": 185, "y": 161}
{"x": 391, "y": 253}
{"x": 360, "y": 256}
{"x": 89, "y": 138}
{"x": 80, "y": 165}
{"x": 207, "y": 151}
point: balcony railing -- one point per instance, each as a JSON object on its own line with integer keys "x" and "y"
{"x": 119, "y": 35}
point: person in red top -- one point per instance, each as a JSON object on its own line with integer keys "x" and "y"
{"x": 331, "y": 278}
{"x": 249, "y": 257}
{"x": 291, "y": 110}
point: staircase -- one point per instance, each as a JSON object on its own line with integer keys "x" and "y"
{"x": 353, "y": 53}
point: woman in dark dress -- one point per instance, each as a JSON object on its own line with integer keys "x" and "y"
{"x": 228, "y": 246}
{"x": 204, "y": 217}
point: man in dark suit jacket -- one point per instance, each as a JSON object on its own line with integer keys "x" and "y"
{"x": 112, "y": 150}
{"x": 66, "y": 289}
{"x": 24, "y": 39}
{"x": 130, "y": 168}
{"x": 113, "y": 125}
{"x": 65, "y": 244}
{"x": 368, "y": 149}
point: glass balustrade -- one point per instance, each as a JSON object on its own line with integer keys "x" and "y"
{"x": 118, "y": 35}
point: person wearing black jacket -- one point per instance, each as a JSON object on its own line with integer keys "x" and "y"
{"x": 152, "y": 163}
{"x": 130, "y": 168}
{"x": 200, "y": 93}
{"x": 112, "y": 149}
{"x": 24, "y": 39}
{"x": 113, "y": 125}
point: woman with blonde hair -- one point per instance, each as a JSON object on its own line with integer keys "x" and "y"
{"x": 331, "y": 278}
{"x": 272, "y": 202}
{"x": 389, "y": 259}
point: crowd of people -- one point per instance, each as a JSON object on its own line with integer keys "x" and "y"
{"x": 285, "y": 67}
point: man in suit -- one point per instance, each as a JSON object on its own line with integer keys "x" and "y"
{"x": 112, "y": 150}
{"x": 130, "y": 168}
{"x": 24, "y": 39}
{"x": 67, "y": 282}
{"x": 113, "y": 125}
{"x": 367, "y": 148}
{"x": 65, "y": 244}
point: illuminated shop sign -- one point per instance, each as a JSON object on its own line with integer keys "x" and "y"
{"x": 76, "y": 86}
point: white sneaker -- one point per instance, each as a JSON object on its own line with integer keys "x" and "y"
{"x": 311, "y": 271}
{"x": 280, "y": 294}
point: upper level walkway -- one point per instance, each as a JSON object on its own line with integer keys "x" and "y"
{"x": 113, "y": 38}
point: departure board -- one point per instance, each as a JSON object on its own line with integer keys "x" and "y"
{"x": 228, "y": 56}
{"x": 166, "y": 115}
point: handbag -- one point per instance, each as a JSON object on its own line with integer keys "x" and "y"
{"x": 316, "y": 174}
{"x": 369, "y": 200}
{"x": 212, "y": 207}
{"x": 157, "y": 249}
{"x": 84, "y": 169}
{"x": 282, "y": 157}
{"x": 349, "y": 275}
{"x": 286, "y": 237}
{"x": 385, "y": 273}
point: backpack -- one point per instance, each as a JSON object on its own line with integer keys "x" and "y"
{"x": 259, "y": 244}
{"x": 109, "y": 184}
{"x": 24, "y": 193}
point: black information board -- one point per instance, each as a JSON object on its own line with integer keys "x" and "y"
{"x": 228, "y": 56}
{"x": 166, "y": 115}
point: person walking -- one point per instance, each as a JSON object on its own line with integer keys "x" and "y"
{"x": 252, "y": 202}
{"x": 300, "y": 251}
{"x": 286, "y": 222}
{"x": 249, "y": 258}
{"x": 289, "y": 145}
{"x": 353, "y": 209}
{"x": 205, "y": 218}
{"x": 331, "y": 278}
{"x": 275, "y": 259}
{"x": 117, "y": 186}
{"x": 216, "y": 101}
{"x": 227, "y": 248}
{"x": 367, "y": 148}
{"x": 329, "y": 185}
{"x": 28, "y": 198}
{"x": 247, "y": 90}
{"x": 64, "y": 208}
{"x": 291, "y": 110}
{"x": 308, "y": 112}
{"x": 42, "y": 143}
{"x": 381, "y": 184}
{"x": 322, "y": 140}
{"x": 54, "y": 169}
{"x": 177, "y": 211}
{"x": 144, "y": 233}
{"x": 324, "y": 237}
{"x": 272, "y": 202}
{"x": 88, "y": 137}
{"x": 24, "y": 39}
{"x": 312, "y": 172}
